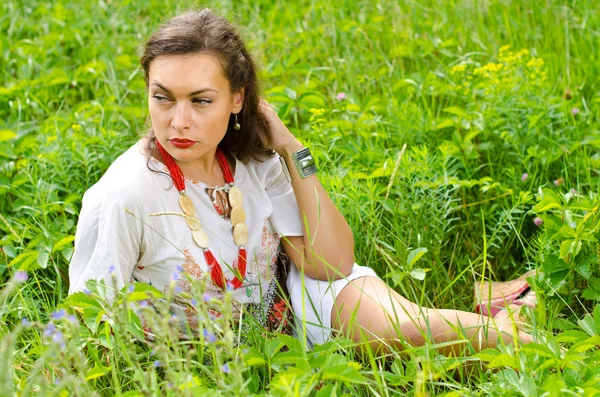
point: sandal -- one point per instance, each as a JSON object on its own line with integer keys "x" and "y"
{"x": 493, "y": 296}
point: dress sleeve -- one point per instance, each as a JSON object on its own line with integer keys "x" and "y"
{"x": 286, "y": 215}
{"x": 107, "y": 242}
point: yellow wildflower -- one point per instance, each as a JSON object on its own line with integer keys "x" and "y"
{"x": 458, "y": 68}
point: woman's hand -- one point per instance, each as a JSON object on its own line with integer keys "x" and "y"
{"x": 283, "y": 141}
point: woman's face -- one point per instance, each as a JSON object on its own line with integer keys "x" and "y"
{"x": 190, "y": 103}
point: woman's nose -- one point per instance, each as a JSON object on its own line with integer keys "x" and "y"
{"x": 182, "y": 120}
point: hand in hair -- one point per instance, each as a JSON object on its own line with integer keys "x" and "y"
{"x": 282, "y": 139}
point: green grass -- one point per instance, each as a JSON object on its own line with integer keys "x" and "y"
{"x": 72, "y": 99}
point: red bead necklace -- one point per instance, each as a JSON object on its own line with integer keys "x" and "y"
{"x": 238, "y": 217}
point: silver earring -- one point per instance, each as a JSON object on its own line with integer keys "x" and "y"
{"x": 237, "y": 125}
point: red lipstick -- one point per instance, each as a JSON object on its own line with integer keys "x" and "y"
{"x": 182, "y": 143}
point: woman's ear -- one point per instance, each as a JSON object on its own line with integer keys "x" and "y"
{"x": 238, "y": 101}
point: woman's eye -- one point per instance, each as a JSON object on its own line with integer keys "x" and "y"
{"x": 201, "y": 101}
{"x": 160, "y": 98}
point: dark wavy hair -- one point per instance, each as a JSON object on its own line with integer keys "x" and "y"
{"x": 205, "y": 32}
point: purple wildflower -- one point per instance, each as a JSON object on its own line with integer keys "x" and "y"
{"x": 157, "y": 364}
{"x": 207, "y": 297}
{"x": 25, "y": 322}
{"x": 130, "y": 288}
{"x": 341, "y": 96}
{"x": 178, "y": 289}
{"x": 86, "y": 291}
{"x": 194, "y": 302}
{"x": 57, "y": 315}
{"x": 49, "y": 330}
{"x": 208, "y": 336}
{"x": 177, "y": 273}
{"x": 112, "y": 269}
{"x": 21, "y": 276}
{"x": 72, "y": 319}
{"x": 59, "y": 339}
{"x": 230, "y": 287}
{"x": 225, "y": 368}
{"x": 575, "y": 111}
{"x": 143, "y": 303}
{"x": 524, "y": 177}
{"x": 538, "y": 221}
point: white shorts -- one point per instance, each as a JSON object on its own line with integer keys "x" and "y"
{"x": 312, "y": 301}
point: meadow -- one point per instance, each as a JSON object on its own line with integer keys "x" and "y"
{"x": 497, "y": 102}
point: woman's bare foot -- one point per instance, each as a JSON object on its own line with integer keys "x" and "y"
{"x": 509, "y": 320}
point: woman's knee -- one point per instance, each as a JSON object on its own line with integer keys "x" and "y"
{"x": 367, "y": 307}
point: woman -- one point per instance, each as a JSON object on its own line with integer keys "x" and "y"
{"x": 229, "y": 205}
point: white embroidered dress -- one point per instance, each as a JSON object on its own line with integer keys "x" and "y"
{"x": 116, "y": 234}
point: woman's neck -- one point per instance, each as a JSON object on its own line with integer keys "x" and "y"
{"x": 206, "y": 169}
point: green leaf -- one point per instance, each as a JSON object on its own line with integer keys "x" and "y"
{"x": 590, "y": 294}
{"x": 418, "y": 274}
{"x": 551, "y": 195}
{"x": 565, "y": 231}
{"x": 588, "y": 325}
{"x": 42, "y": 259}
{"x": 96, "y": 372}
{"x": 137, "y": 296}
{"x": 552, "y": 264}
{"x": 586, "y": 345}
{"x": 503, "y": 360}
{"x": 396, "y": 276}
{"x": 337, "y": 367}
{"x": 352, "y": 107}
{"x": 272, "y": 346}
{"x": 415, "y": 255}
{"x": 81, "y": 300}
{"x": 557, "y": 279}
{"x": 455, "y": 110}
{"x": 570, "y": 247}
{"x": 254, "y": 361}
{"x": 487, "y": 355}
{"x": 92, "y": 317}
{"x": 62, "y": 242}
{"x": 6, "y": 135}
{"x": 596, "y": 315}
{"x": 584, "y": 269}
{"x": 445, "y": 124}
{"x": 571, "y": 336}
{"x": 25, "y": 257}
{"x": 539, "y": 349}
{"x": 544, "y": 206}
{"x": 548, "y": 201}
{"x": 327, "y": 391}
{"x": 554, "y": 386}
{"x": 136, "y": 325}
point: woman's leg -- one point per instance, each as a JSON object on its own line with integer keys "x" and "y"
{"x": 368, "y": 310}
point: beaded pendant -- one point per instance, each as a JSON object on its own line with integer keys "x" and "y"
{"x": 237, "y": 218}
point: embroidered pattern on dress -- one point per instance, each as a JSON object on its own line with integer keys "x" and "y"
{"x": 261, "y": 267}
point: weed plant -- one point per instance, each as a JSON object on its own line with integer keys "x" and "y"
{"x": 497, "y": 102}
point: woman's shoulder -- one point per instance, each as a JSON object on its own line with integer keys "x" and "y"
{"x": 265, "y": 168}
{"x": 128, "y": 178}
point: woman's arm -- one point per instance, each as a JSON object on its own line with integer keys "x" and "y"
{"x": 326, "y": 251}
